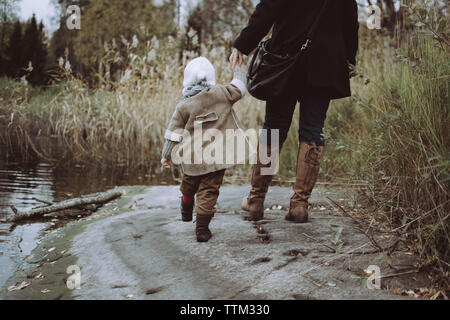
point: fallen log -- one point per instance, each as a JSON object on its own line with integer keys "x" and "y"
{"x": 95, "y": 198}
{"x": 43, "y": 201}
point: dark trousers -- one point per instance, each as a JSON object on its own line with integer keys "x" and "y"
{"x": 313, "y": 111}
{"x": 206, "y": 187}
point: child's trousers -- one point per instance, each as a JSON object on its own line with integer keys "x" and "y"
{"x": 206, "y": 187}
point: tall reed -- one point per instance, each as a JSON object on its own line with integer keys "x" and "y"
{"x": 394, "y": 134}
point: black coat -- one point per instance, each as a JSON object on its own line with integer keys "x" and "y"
{"x": 334, "y": 46}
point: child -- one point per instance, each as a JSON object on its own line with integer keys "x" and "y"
{"x": 210, "y": 106}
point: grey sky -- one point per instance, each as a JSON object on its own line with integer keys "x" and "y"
{"x": 43, "y": 9}
{"x": 46, "y": 11}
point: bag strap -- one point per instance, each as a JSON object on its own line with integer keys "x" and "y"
{"x": 313, "y": 29}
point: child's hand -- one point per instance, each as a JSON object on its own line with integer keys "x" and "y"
{"x": 166, "y": 163}
{"x": 236, "y": 58}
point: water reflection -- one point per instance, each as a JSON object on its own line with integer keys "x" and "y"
{"x": 21, "y": 186}
{"x": 24, "y": 183}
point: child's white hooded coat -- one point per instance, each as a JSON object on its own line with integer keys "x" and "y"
{"x": 212, "y": 111}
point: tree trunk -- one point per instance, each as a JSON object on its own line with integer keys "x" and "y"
{"x": 2, "y": 40}
{"x": 390, "y": 18}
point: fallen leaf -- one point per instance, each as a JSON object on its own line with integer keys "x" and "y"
{"x": 19, "y": 286}
{"x": 133, "y": 205}
{"x": 411, "y": 293}
{"x": 397, "y": 291}
{"x": 154, "y": 290}
{"x": 435, "y": 296}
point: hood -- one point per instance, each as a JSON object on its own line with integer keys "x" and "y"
{"x": 198, "y": 70}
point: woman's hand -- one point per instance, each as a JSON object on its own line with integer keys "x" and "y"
{"x": 165, "y": 163}
{"x": 236, "y": 58}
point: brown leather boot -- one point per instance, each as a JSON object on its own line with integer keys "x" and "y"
{"x": 254, "y": 202}
{"x": 202, "y": 227}
{"x": 308, "y": 166}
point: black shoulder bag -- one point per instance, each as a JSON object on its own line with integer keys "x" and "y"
{"x": 269, "y": 73}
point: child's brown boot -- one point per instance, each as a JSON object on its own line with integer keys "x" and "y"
{"x": 201, "y": 229}
{"x": 186, "y": 210}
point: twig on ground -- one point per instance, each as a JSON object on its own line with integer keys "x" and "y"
{"x": 360, "y": 226}
{"x": 334, "y": 257}
{"x": 321, "y": 243}
{"x": 43, "y": 201}
{"x": 389, "y": 249}
{"x": 239, "y": 292}
{"x": 14, "y": 209}
{"x": 347, "y": 214}
{"x": 286, "y": 263}
{"x": 420, "y": 217}
{"x": 398, "y": 274}
{"x": 312, "y": 281}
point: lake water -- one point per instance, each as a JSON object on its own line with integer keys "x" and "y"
{"x": 24, "y": 183}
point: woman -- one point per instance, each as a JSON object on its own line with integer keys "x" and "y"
{"x": 325, "y": 77}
